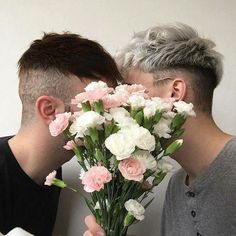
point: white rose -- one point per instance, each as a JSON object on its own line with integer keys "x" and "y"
{"x": 186, "y": 109}
{"x": 135, "y": 209}
{"x": 165, "y": 166}
{"x": 120, "y": 144}
{"x": 162, "y": 128}
{"x": 137, "y": 101}
{"x": 96, "y": 85}
{"x": 87, "y": 120}
{"x": 146, "y": 158}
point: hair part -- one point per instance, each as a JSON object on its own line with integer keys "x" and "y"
{"x": 175, "y": 49}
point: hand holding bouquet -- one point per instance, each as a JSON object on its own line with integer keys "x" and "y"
{"x": 120, "y": 138}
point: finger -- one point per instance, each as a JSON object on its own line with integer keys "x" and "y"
{"x": 87, "y": 233}
{"x": 94, "y": 228}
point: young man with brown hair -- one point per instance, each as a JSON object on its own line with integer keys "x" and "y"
{"x": 51, "y": 72}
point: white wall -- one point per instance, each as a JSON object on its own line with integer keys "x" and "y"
{"x": 111, "y": 23}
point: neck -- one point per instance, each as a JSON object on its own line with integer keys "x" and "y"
{"x": 203, "y": 141}
{"x": 38, "y": 153}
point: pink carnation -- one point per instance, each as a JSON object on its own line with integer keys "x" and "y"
{"x": 90, "y": 96}
{"x": 95, "y": 178}
{"x": 50, "y": 178}
{"x": 70, "y": 145}
{"x": 58, "y": 125}
{"x": 132, "y": 169}
{"x": 114, "y": 100}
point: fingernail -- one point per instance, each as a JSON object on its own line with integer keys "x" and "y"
{"x": 100, "y": 233}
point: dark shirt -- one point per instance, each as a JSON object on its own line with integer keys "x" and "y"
{"x": 23, "y": 203}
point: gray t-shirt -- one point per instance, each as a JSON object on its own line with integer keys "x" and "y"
{"x": 208, "y": 206}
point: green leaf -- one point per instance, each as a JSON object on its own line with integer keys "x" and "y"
{"x": 147, "y": 123}
{"x": 59, "y": 183}
{"x": 93, "y": 133}
{"x": 177, "y": 133}
{"x": 86, "y": 106}
{"x": 89, "y": 204}
{"x": 78, "y": 154}
{"x": 139, "y": 117}
{"x": 133, "y": 112}
{"x": 88, "y": 143}
{"x": 159, "y": 177}
{"x": 99, "y": 156}
{"x": 109, "y": 128}
{"x": 129, "y": 219}
{"x": 177, "y": 121}
{"x": 173, "y": 147}
{"x": 98, "y": 106}
{"x": 157, "y": 116}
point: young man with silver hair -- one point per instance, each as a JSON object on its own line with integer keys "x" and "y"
{"x": 174, "y": 62}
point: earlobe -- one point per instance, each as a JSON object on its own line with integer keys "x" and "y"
{"x": 179, "y": 89}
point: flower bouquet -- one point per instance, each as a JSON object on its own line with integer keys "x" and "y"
{"x": 120, "y": 137}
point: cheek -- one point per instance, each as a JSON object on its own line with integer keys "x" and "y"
{"x": 158, "y": 92}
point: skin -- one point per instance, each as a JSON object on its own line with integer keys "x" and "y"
{"x": 200, "y": 148}
{"x": 34, "y": 136}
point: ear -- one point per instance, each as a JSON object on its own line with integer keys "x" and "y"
{"x": 46, "y": 108}
{"x": 179, "y": 89}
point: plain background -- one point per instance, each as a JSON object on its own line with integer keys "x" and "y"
{"x": 111, "y": 23}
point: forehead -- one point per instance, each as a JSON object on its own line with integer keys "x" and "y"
{"x": 136, "y": 76}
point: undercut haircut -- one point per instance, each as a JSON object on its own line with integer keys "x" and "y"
{"x": 46, "y": 67}
{"x": 171, "y": 51}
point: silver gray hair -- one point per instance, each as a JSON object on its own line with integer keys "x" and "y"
{"x": 169, "y": 47}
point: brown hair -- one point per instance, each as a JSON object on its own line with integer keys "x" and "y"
{"x": 45, "y": 67}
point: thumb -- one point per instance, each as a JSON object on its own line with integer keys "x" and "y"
{"x": 93, "y": 227}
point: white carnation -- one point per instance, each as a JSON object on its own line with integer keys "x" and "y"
{"x": 120, "y": 145}
{"x": 122, "y": 117}
{"x": 96, "y": 85}
{"x": 162, "y": 128}
{"x": 169, "y": 115}
{"x": 146, "y": 158}
{"x": 87, "y": 120}
{"x": 144, "y": 139}
{"x": 135, "y": 209}
{"x": 137, "y": 101}
{"x": 186, "y": 109}
{"x": 119, "y": 113}
{"x": 161, "y": 104}
{"x": 140, "y": 136}
{"x": 164, "y": 166}
{"x": 149, "y": 109}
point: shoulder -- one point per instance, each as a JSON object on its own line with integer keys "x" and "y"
{"x": 4, "y": 149}
{"x": 178, "y": 178}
